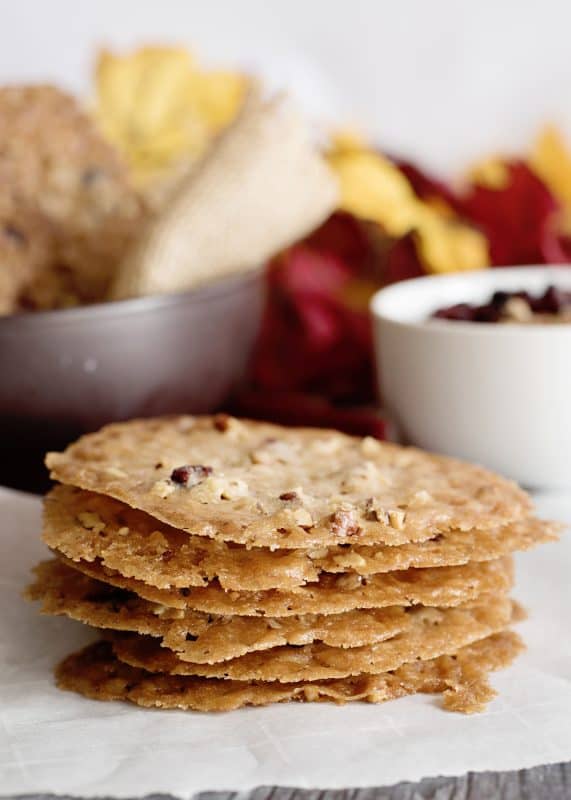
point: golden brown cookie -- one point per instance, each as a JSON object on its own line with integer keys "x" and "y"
{"x": 86, "y": 526}
{"x": 332, "y": 594}
{"x": 265, "y": 485}
{"x": 200, "y": 637}
{"x": 431, "y": 632}
{"x": 463, "y": 680}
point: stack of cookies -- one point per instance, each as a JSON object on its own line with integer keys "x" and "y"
{"x": 231, "y": 563}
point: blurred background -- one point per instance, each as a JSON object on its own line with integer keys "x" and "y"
{"x": 440, "y": 81}
{"x": 443, "y": 135}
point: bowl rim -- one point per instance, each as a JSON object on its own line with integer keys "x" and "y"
{"x": 225, "y": 285}
{"x": 380, "y": 303}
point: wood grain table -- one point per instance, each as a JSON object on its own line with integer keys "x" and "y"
{"x": 551, "y": 782}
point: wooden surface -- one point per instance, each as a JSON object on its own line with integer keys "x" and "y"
{"x": 540, "y": 783}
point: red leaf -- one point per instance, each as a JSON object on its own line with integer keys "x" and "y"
{"x": 311, "y": 340}
{"x": 344, "y": 236}
{"x": 517, "y": 219}
{"x": 302, "y": 269}
{"x": 402, "y": 261}
{"x": 426, "y": 186}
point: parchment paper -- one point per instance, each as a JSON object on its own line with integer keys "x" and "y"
{"x": 52, "y": 741}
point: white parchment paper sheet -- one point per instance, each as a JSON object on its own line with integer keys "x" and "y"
{"x": 54, "y": 741}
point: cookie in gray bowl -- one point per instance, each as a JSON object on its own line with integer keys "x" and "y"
{"x": 70, "y": 371}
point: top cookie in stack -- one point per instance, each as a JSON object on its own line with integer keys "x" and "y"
{"x": 233, "y": 563}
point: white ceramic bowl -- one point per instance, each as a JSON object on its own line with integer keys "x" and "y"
{"x": 499, "y": 395}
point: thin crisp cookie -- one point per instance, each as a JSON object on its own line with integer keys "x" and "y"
{"x": 432, "y": 632}
{"x": 462, "y": 679}
{"x": 86, "y": 526}
{"x": 332, "y": 594}
{"x": 206, "y": 638}
{"x": 265, "y": 485}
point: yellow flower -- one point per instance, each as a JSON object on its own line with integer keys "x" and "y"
{"x": 159, "y": 107}
{"x": 373, "y": 188}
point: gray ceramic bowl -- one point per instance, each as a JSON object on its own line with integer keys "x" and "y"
{"x": 66, "y": 372}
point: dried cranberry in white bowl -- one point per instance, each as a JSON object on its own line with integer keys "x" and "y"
{"x": 499, "y": 395}
{"x": 552, "y": 306}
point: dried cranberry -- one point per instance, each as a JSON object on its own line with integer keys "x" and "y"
{"x": 190, "y": 474}
{"x": 499, "y": 299}
{"x": 523, "y": 295}
{"x": 552, "y": 301}
{"x": 489, "y": 313}
{"x": 461, "y": 311}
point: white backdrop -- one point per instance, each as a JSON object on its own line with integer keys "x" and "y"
{"x": 443, "y": 80}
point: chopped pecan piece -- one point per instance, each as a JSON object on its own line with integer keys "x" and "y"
{"x": 349, "y": 581}
{"x": 163, "y": 489}
{"x": 221, "y": 422}
{"x": 343, "y": 523}
{"x": 396, "y": 518}
{"x": 190, "y": 474}
{"x": 91, "y": 521}
{"x": 374, "y": 512}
